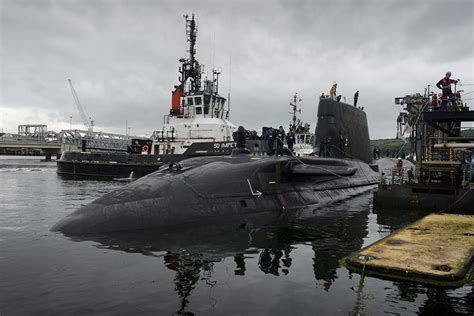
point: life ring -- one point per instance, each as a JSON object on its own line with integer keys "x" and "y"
{"x": 145, "y": 148}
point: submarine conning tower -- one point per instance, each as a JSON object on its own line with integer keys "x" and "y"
{"x": 342, "y": 131}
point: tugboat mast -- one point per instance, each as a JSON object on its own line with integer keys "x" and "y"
{"x": 215, "y": 80}
{"x": 294, "y": 104}
{"x": 190, "y": 69}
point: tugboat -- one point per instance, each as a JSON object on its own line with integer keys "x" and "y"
{"x": 198, "y": 113}
{"x": 304, "y": 139}
{"x": 197, "y": 125}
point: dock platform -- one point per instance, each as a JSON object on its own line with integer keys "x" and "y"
{"x": 437, "y": 250}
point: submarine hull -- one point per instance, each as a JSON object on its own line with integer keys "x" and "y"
{"x": 210, "y": 189}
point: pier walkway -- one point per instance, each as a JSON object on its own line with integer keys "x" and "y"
{"x": 438, "y": 250}
{"x": 66, "y": 140}
{"x": 28, "y": 146}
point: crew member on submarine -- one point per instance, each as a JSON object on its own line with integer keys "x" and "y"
{"x": 290, "y": 140}
{"x": 270, "y": 140}
{"x": 280, "y": 138}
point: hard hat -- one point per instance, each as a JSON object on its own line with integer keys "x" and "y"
{"x": 448, "y": 73}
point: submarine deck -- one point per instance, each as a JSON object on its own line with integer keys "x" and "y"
{"x": 438, "y": 250}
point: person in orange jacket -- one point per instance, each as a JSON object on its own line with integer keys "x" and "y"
{"x": 445, "y": 85}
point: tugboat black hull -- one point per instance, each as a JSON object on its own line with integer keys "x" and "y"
{"x": 104, "y": 171}
{"x": 408, "y": 197}
{"x": 112, "y": 165}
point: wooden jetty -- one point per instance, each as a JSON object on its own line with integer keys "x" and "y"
{"x": 437, "y": 249}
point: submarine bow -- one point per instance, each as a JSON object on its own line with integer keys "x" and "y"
{"x": 241, "y": 189}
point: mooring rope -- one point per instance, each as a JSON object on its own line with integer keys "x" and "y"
{"x": 457, "y": 201}
{"x": 322, "y": 168}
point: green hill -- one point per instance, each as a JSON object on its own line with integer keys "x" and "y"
{"x": 398, "y": 146}
{"x": 394, "y": 146}
{"x": 468, "y": 132}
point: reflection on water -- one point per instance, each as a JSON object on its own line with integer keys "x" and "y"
{"x": 291, "y": 268}
{"x": 331, "y": 233}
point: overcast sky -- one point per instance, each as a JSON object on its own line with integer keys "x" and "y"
{"x": 122, "y": 57}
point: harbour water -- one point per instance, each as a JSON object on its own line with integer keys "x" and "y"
{"x": 194, "y": 270}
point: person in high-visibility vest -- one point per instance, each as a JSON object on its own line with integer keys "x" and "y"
{"x": 332, "y": 92}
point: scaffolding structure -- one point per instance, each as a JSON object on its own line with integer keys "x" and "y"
{"x": 32, "y": 130}
{"x": 442, "y": 155}
{"x": 93, "y": 140}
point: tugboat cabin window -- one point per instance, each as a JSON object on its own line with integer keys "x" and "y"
{"x": 198, "y": 110}
{"x": 198, "y": 100}
{"x": 304, "y": 139}
{"x": 207, "y": 99}
{"x": 190, "y": 101}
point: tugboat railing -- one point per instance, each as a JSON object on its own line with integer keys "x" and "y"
{"x": 397, "y": 175}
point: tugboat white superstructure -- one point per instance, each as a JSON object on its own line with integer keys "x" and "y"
{"x": 198, "y": 113}
{"x": 197, "y": 125}
{"x": 304, "y": 139}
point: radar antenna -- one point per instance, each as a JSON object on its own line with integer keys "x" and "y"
{"x": 294, "y": 104}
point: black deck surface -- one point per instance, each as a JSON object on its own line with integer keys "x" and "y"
{"x": 451, "y": 116}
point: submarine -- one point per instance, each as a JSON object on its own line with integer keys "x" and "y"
{"x": 241, "y": 188}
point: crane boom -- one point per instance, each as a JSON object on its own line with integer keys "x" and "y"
{"x": 88, "y": 125}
